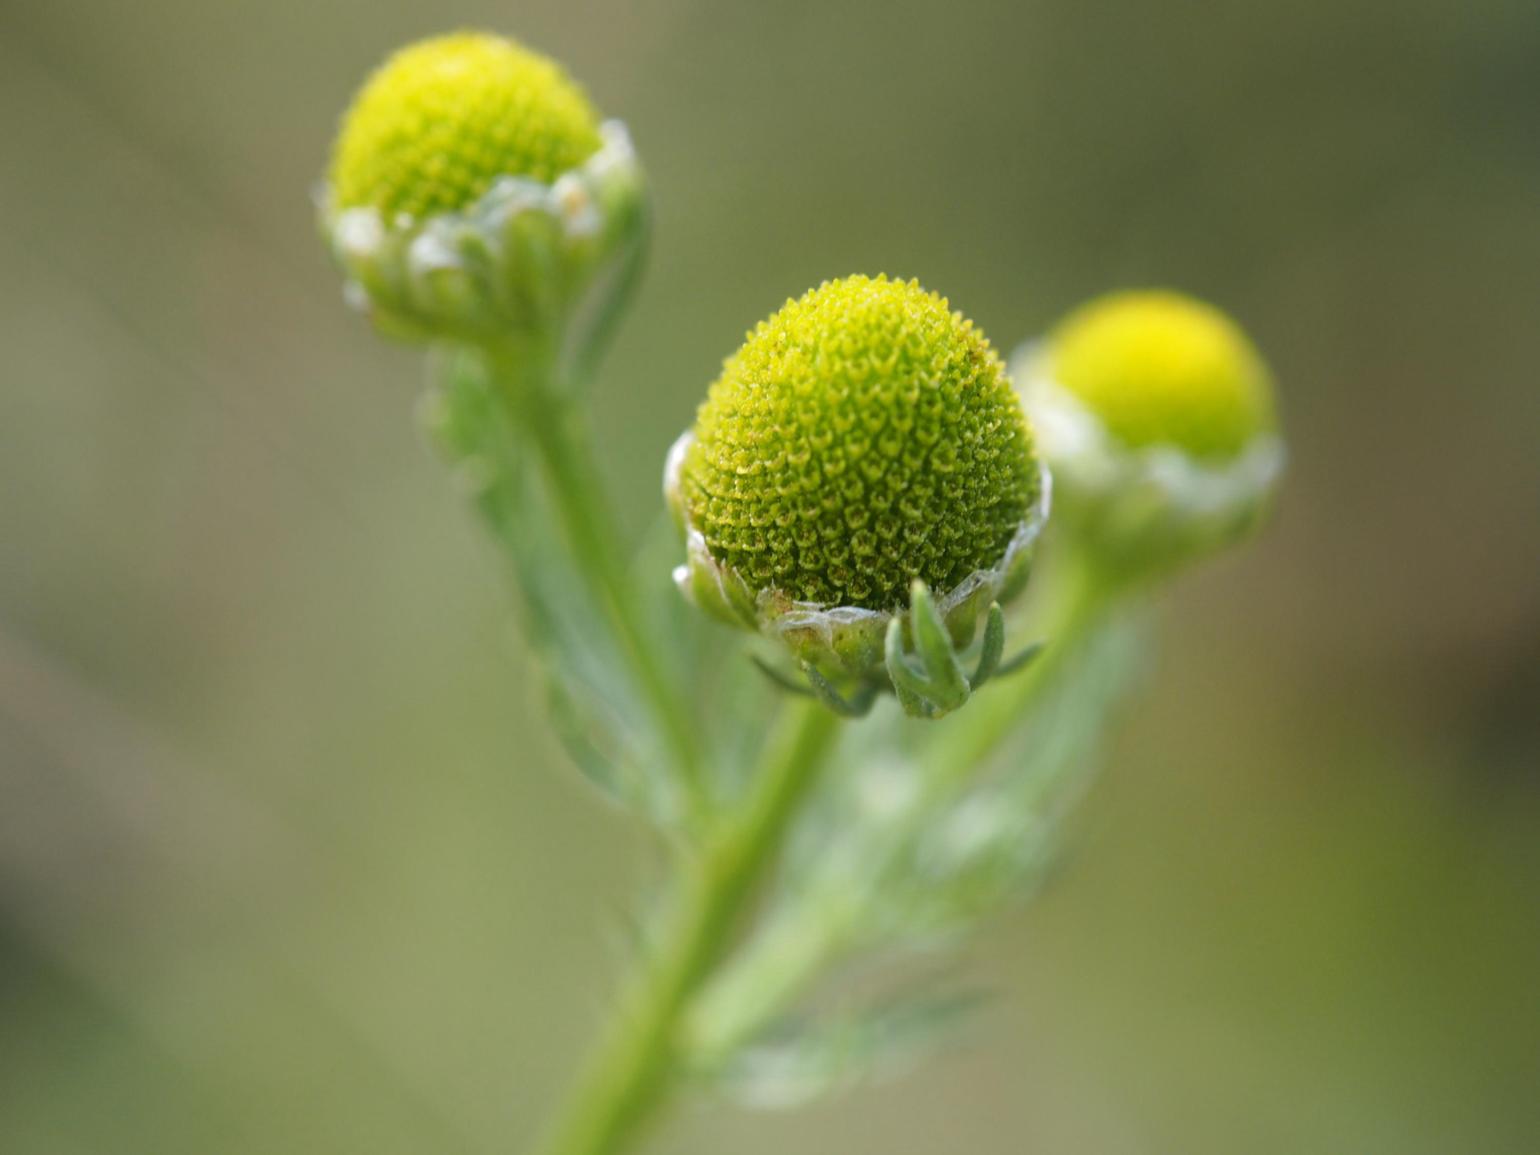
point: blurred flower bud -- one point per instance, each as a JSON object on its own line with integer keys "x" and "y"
{"x": 1155, "y": 412}
{"x": 474, "y": 195}
{"x": 865, "y": 438}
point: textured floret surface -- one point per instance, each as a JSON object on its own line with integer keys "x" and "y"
{"x": 864, "y": 436}
{"x": 443, "y": 119}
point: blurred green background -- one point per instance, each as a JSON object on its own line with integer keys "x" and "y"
{"x": 288, "y": 860}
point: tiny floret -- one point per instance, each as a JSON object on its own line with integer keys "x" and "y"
{"x": 1160, "y": 368}
{"x": 864, "y": 436}
{"x": 436, "y": 126}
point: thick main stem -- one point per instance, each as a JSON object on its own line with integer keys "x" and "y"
{"x": 630, "y": 1079}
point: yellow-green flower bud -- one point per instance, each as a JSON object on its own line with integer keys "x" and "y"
{"x": 1159, "y": 368}
{"x": 1156, "y": 413}
{"x": 865, "y": 437}
{"x": 443, "y": 119}
{"x": 474, "y": 194}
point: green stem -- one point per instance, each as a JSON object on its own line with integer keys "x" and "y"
{"x": 790, "y": 954}
{"x": 632, "y": 1076}
{"x": 555, "y": 427}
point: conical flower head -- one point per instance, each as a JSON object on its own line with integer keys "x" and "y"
{"x": 1156, "y": 414}
{"x": 864, "y": 436}
{"x": 1160, "y": 368}
{"x": 474, "y": 196}
{"x": 442, "y": 120}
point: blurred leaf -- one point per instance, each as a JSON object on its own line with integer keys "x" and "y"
{"x": 594, "y": 708}
{"x": 813, "y": 1058}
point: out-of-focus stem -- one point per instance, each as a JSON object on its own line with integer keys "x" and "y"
{"x": 633, "y": 1073}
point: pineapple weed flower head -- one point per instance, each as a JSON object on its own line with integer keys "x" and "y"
{"x": 474, "y": 194}
{"x": 864, "y": 438}
{"x": 1156, "y": 413}
{"x": 442, "y": 120}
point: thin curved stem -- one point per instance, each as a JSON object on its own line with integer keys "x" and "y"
{"x": 556, "y": 430}
{"x": 634, "y": 1071}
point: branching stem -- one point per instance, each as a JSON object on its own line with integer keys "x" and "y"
{"x": 789, "y": 956}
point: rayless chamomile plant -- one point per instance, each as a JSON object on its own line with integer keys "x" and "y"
{"x": 887, "y": 757}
